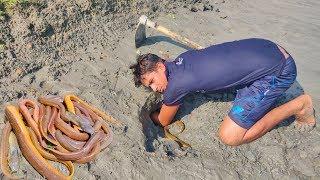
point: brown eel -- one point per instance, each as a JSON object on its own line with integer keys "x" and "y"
{"x": 100, "y": 146}
{"x": 60, "y": 106}
{"x": 82, "y": 109}
{"x": 53, "y": 117}
{"x": 109, "y": 133}
{"x": 85, "y": 123}
{"x": 31, "y": 120}
{"x": 48, "y": 155}
{"x": 68, "y": 143}
{"x": 101, "y": 124}
{"x": 69, "y": 131}
{"x": 94, "y": 116}
{"x": 43, "y": 126}
{"x": 28, "y": 150}
{"x": 61, "y": 124}
{"x": 72, "y": 156}
{"x": 94, "y": 152}
{"x": 42, "y": 110}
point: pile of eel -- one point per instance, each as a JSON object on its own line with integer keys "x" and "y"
{"x": 63, "y": 130}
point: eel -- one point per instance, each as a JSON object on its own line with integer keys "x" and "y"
{"x": 109, "y": 138}
{"x": 81, "y": 108}
{"x": 69, "y": 131}
{"x": 58, "y": 105}
{"x": 42, "y": 110}
{"x": 54, "y": 97}
{"x": 23, "y": 103}
{"x": 32, "y": 121}
{"x": 50, "y": 156}
{"x": 43, "y": 123}
{"x": 101, "y": 124}
{"x": 61, "y": 149}
{"x": 84, "y": 122}
{"x": 101, "y": 145}
{"x": 51, "y": 127}
{"x": 43, "y": 126}
{"x": 68, "y": 101}
{"x": 68, "y": 143}
{"x": 61, "y": 124}
{"x": 174, "y": 137}
{"x": 72, "y": 156}
{"x": 94, "y": 116}
{"x": 4, "y": 152}
{"x": 28, "y": 150}
{"x": 78, "y": 112}
{"x": 94, "y": 152}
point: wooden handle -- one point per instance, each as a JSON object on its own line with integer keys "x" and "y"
{"x": 144, "y": 20}
{"x": 177, "y": 37}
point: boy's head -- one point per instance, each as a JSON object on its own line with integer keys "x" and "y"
{"x": 150, "y": 71}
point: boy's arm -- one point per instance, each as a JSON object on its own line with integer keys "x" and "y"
{"x": 165, "y": 116}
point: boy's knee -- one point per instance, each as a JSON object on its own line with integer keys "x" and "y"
{"x": 226, "y": 138}
{"x": 230, "y": 133}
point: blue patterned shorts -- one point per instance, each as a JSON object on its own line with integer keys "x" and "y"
{"x": 256, "y": 100}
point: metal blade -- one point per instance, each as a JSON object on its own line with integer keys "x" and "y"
{"x": 140, "y": 35}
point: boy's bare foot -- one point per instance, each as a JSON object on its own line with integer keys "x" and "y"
{"x": 305, "y": 119}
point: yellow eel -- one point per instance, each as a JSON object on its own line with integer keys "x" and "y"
{"x": 174, "y": 137}
{"x": 48, "y": 155}
{"x": 68, "y": 101}
{"x": 28, "y": 149}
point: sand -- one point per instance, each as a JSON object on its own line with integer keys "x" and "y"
{"x": 86, "y": 48}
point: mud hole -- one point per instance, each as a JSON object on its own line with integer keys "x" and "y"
{"x": 85, "y": 47}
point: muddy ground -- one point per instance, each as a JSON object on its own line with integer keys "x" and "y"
{"x": 85, "y": 47}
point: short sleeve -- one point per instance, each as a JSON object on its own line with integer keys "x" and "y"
{"x": 173, "y": 96}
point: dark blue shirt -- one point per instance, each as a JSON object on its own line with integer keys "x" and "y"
{"x": 220, "y": 67}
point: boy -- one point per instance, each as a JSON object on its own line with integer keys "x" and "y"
{"x": 264, "y": 67}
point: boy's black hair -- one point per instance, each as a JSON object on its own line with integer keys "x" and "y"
{"x": 145, "y": 63}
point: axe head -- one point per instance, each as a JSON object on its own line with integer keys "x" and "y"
{"x": 140, "y": 35}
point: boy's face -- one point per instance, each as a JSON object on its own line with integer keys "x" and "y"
{"x": 156, "y": 80}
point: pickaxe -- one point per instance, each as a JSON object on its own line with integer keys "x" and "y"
{"x": 140, "y": 35}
